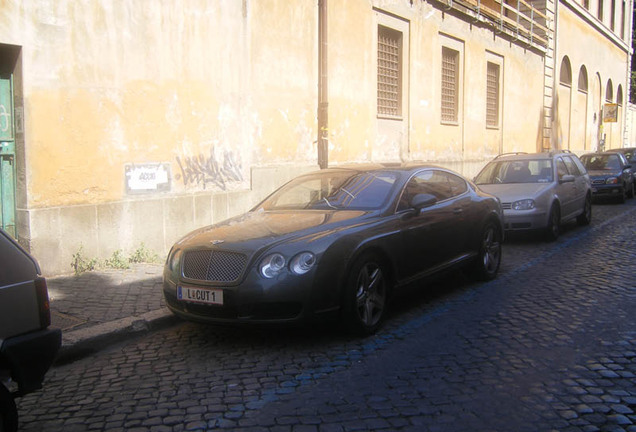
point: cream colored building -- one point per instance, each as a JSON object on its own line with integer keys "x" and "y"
{"x": 134, "y": 121}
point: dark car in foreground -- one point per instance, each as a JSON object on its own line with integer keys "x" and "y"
{"x": 539, "y": 191}
{"x": 611, "y": 175}
{"x": 334, "y": 244}
{"x": 27, "y": 345}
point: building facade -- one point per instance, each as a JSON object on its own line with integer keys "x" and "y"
{"x": 132, "y": 122}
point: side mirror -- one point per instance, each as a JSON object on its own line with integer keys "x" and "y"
{"x": 421, "y": 201}
{"x": 568, "y": 178}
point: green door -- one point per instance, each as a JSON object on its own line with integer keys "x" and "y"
{"x": 7, "y": 157}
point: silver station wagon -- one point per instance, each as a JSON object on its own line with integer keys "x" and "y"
{"x": 539, "y": 191}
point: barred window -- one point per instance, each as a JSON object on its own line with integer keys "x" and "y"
{"x": 492, "y": 95}
{"x": 450, "y": 84}
{"x": 389, "y": 72}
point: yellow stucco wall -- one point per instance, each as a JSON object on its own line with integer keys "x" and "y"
{"x": 605, "y": 58}
{"x": 108, "y": 84}
{"x": 353, "y": 122}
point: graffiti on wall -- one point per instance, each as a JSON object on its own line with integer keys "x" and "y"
{"x": 210, "y": 170}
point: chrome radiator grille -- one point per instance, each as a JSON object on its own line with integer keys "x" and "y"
{"x": 213, "y": 265}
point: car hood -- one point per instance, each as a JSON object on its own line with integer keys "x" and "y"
{"x": 603, "y": 173}
{"x": 255, "y": 230}
{"x": 515, "y": 191}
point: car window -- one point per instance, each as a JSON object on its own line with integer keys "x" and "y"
{"x": 571, "y": 166}
{"x": 441, "y": 184}
{"x": 561, "y": 168}
{"x": 516, "y": 171}
{"x": 579, "y": 165}
{"x": 457, "y": 184}
{"x": 334, "y": 190}
{"x": 600, "y": 162}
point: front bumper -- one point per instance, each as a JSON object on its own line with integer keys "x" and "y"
{"x": 607, "y": 190}
{"x": 518, "y": 220}
{"x": 255, "y": 301}
{"x": 28, "y": 357}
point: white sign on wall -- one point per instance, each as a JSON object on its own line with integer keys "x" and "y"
{"x": 145, "y": 178}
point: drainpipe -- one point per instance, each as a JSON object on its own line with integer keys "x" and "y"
{"x": 323, "y": 89}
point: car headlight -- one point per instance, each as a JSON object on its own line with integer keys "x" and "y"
{"x": 611, "y": 180}
{"x": 526, "y": 204}
{"x": 271, "y": 265}
{"x": 302, "y": 263}
{"x": 173, "y": 260}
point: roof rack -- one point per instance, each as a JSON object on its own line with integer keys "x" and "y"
{"x": 552, "y": 152}
{"x": 510, "y": 154}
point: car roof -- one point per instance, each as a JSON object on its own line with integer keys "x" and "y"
{"x": 620, "y": 150}
{"x": 519, "y": 156}
{"x": 603, "y": 153}
{"x": 402, "y": 167}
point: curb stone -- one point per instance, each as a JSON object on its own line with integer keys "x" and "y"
{"x": 80, "y": 343}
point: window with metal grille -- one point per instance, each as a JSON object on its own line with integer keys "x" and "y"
{"x": 492, "y": 95}
{"x": 389, "y": 72}
{"x": 450, "y": 83}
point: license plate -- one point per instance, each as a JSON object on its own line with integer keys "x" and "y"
{"x": 200, "y": 295}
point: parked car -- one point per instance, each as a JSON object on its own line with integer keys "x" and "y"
{"x": 630, "y": 155}
{"x": 27, "y": 345}
{"x": 539, "y": 191}
{"x": 611, "y": 175}
{"x": 628, "y": 152}
{"x": 334, "y": 243}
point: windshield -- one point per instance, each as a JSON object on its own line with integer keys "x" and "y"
{"x": 516, "y": 171}
{"x": 351, "y": 190}
{"x": 601, "y": 162}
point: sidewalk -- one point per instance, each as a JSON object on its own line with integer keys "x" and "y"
{"x": 105, "y": 306}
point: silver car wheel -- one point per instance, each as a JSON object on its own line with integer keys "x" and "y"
{"x": 491, "y": 250}
{"x": 554, "y": 221}
{"x": 370, "y": 295}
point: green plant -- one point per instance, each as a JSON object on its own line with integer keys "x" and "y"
{"x": 143, "y": 255}
{"x": 117, "y": 260}
{"x": 81, "y": 264}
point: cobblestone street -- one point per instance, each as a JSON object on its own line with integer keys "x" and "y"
{"x": 549, "y": 345}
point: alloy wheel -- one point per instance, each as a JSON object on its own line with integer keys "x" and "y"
{"x": 370, "y": 296}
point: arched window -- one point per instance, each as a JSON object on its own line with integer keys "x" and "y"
{"x": 565, "y": 77}
{"x": 583, "y": 79}
{"x": 619, "y": 95}
{"x": 609, "y": 91}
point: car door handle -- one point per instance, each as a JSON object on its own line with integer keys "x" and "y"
{"x": 458, "y": 211}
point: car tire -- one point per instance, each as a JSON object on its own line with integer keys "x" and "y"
{"x": 585, "y": 218}
{"x": 366, "y": 294}
{"x": 486, "y": 266}
{"x": 553, "y": 229}
{"x": 8, "y": 411}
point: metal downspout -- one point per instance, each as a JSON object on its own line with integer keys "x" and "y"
{"x": 323, "y": 88}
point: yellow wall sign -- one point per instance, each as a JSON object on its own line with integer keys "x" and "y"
{"x": 610, "y": 113}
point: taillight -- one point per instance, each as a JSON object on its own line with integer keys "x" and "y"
{"x": 43, "y": 302}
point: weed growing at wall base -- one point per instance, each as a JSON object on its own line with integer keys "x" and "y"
{"x": 81, "y": 264}
{"x": 143, "y": 255}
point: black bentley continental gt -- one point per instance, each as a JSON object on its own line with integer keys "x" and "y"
{"x": 335, "y": 243}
